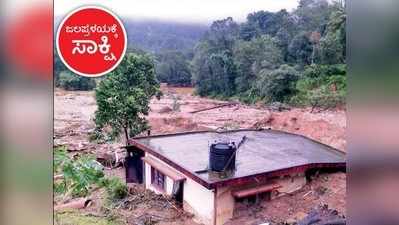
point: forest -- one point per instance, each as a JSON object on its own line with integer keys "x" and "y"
{"x": 296, "y": 58}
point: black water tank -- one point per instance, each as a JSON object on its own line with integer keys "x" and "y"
{"x": 219, "y": 156}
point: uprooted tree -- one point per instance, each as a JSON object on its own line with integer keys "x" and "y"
{"x": 123, "y": 97}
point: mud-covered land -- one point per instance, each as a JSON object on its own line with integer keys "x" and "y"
{"x": 73, "y": 122}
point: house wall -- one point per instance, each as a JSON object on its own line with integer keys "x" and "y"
{"x": 206, "y": 204}
{"x": 148, "y": 185}
{"x": 196, "y": 198}
{"x": 199, "y": 201}
{"x": 224, "y": 205}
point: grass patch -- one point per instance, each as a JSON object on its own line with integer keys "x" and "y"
{"x": 76, "y": 218}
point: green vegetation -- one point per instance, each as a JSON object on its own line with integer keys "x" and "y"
{"x": 67, "y": 80}
{"x": 322, "y": 86}
{"x": 156, "y": 37}
{"x": 81, "y": 175}
{"x": 267, "y": 58}
{"x": 277, "y": 85}
{"x": 116, "y": 189}
{"x": 73, "y": 82}
{"x": 173, "y": 68}
{"x": 75, "y": 217}
{"x": 123, "y": 97}
{"x": 296, "y": 58}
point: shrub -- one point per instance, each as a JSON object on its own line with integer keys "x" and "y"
{"x": 73, "y": 82}
{"x": 115, "y": 188}
{"x": 80, "y": 173}
{"x": 277, "y": 85}
{"x": 321, "y": 86}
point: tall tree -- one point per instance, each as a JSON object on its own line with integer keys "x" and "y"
{"x": 173, "y": 68}
{"x": 123, "y": 97}
{"x": 312, "y": 15}
{"x": 222, "y": 34}
{"x": 333, "y": 44}
{"x": 265, "y": 21}
{"x": 248, "y": 31}
{"x": 214, "y": 70}
{"x": 300, "y": 49}
{"x": 277, "y": 85}
{"x": 266, "y": 54}
{"x": 214, "y": 73}
{"x": 253, "y": 56}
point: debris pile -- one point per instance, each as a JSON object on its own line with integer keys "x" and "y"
{"x": 322, "y": 216}
{"x": 146, "y": 207}
{"x": 326, "y": 190}
{"x": 73, "y": 123}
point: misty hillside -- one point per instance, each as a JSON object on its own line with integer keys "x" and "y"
{"x": 157, "y": 36}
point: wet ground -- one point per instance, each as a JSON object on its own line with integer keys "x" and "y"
{"x": 73, "y": 122}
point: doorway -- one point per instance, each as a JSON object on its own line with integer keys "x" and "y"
{"x": 134, "y": 165}
{"x": 177, "y": 191}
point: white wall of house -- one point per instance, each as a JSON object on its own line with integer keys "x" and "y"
{"x": 148, "y": 185}
{"x": 201, "y": 202}
{"x": 197, "y": 199}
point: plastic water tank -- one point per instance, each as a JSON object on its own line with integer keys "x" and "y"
{"x": 219, "y": 156}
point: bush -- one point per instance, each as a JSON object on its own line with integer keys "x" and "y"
{"x": 80, "y": 174}
{"x": 277, "y": 85}
{"x": 324, "y": 98}
{"x": 249, "y": 97}
{"x": 116, "y": 189}
{"x": 321, "y": 87}
{"x": 73, "y": 82}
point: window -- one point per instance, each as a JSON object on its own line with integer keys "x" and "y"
{"x": 157, "y": 179}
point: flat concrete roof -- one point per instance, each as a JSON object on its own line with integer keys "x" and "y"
{"x": 263, "y": 152}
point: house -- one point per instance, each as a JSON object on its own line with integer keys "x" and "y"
{"x": 209, "y": 171}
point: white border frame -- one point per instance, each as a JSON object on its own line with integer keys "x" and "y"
{"x": 58, "y": 34}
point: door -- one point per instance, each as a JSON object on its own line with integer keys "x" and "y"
{"x": 134, "y": 166}
{"x": 178, "y": 190}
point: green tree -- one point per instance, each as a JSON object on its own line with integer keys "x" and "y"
{"x": 248, "y": 31}
{"x": 265, "y": 21}
{"x": 58, "y": 68}
{"x": 173, "y": 68}
{"x": 256, "y": 55}
{"x": 214, "y": 70}
{"x": 321, "y": 86}
{"x": 214, "y": 74}
{"x": 301, "y": 49}
{"x": 222, "y": 35}
{"x": 333, "y": 44}
{"x": 223, "y": 71}
{"x": 123, "y": 97}
{"x": 277, "y": 85}
{"x": 253, "y": 56}
{"x": 284, "y": 36}
{"x": 72, "y": 82}
{"x": 312, "y": 15}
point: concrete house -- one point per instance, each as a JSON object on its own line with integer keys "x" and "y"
{"x": 208, "y": 172}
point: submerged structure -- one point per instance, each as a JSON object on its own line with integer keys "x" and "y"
{"x": 209, "y": 171}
